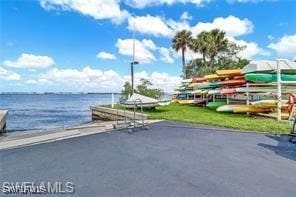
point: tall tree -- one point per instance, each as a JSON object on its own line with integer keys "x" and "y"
{"x": 217, "y": 53}
{"x": 200, "y": 44}
{"x": 218, "y": 43}
{"x": 182, "y": 41}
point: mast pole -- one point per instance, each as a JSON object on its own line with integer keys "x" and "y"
{"x": 133, "y": 61}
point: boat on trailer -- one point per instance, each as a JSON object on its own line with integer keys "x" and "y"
{"x": 140, "y": 100}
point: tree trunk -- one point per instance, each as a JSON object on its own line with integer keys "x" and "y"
{"x": 204, "y": 58}
{"x": 183, "y": 61}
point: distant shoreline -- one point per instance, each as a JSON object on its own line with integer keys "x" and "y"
{"x": 62, "y": 93}
{"x": 54, "y": 93}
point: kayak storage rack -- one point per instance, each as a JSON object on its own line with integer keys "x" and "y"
{"x": 134, "y": 122}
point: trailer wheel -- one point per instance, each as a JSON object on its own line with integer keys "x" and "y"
{"x": 130, "y": 131}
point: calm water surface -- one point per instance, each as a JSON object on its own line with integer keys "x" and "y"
{"x": 50, "y": 111}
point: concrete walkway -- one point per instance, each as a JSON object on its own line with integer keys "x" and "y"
{"x": 169, "y": 159}
{"x": 27, "y": 138}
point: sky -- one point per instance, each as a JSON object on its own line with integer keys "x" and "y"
{"x": 86, "y": 45}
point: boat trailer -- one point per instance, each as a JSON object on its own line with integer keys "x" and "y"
{"x": 293, "y": 133}
{"x": 134, "y": 122}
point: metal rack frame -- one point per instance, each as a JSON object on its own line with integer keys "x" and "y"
{"x": 131, "y": 123}
{"x": 293, "y": 132}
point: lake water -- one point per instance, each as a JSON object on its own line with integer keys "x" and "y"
{"x": 50, "y": 111}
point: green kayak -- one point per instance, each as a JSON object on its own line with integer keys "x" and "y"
{"x": 268, "y": 78}
{"x": 182, "y": 88}
{"x": 205, "y": 85}
{"x": 216, "y": 104}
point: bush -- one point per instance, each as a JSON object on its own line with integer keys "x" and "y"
{"x": 143, "y": 88}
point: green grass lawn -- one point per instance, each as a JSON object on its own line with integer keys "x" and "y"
{"x": 193, "y": 114}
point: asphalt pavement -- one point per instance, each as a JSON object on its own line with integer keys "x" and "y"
{"x": 169, "y": 159}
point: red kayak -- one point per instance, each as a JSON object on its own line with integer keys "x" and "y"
{"x": 198, "y": 79}
{"x": 228, "y": 91}
{"x": 239, "y": 77}
{"x": 200, "y": 101}
{"x": 232, "y": 82}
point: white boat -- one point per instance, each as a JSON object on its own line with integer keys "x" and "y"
{"x": 186, "y": 81}
{"x": 141, "y": 100}
{"x": 164, "y": 103}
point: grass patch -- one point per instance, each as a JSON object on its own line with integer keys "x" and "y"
{"x": 199, "y": 115}
{"x": 193, "y": 114}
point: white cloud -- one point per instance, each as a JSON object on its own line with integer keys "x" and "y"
{"x": 232, "y": 25}
{"x": 148, "y": 3}
{"x": 286, "y": 46}
{"x": 97, "y": 9}
{"x": 166, "y": 55}
{"x": 270, "y": 37}
{"x": 106, "y": 55}
{"x": 143, "y": 49}
{"x": 177, "y": 26}
{"x": 149, "y": 44}
{"x": 8, "y": 75}
{"x": 162, "y": 80}
{"x": 30, "y": 61}
{"x": 251, "y": 49}
{"x": 157, "y": 26}
{"x": 247, "y": 1}
{"x": 89, "y": 79}
{"x": 185, "y": 16}
{"x": 189, "y": 54}
{"x": 85, "y": 79}
{"x": 31, "y": 81}
{"x": 151, "y": 25}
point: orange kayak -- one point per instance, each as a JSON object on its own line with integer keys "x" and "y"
{"x": 232, "y": 82}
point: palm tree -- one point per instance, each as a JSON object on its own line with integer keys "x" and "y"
{"x": 182, "y": 41}
{"x": 217, "y": 43}
{"x": 200, "y": 44}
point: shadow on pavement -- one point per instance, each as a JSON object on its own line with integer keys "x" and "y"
{"x": 283, "y": 148}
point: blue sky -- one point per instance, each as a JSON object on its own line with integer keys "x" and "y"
{"x": 77, "y": 45}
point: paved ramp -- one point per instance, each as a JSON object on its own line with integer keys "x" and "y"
{"x": 170, "y": 159}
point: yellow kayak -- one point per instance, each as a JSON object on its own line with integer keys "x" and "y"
{"x": 185, "y": 102}
{"x": 232, "y": 72}
{"x": 252, "y": 109}
{"x": 174, "y": 101}
{"x": 192, "y": 85}
{"x": 267, "y": 103}
{"x": 213, "y": 77}
{"x": 228, "y": 108}
{"x": 198, "y": 92}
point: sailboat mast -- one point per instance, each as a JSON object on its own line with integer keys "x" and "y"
{"x": 134, "y": 42}
{"x": 133, "y": 61}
